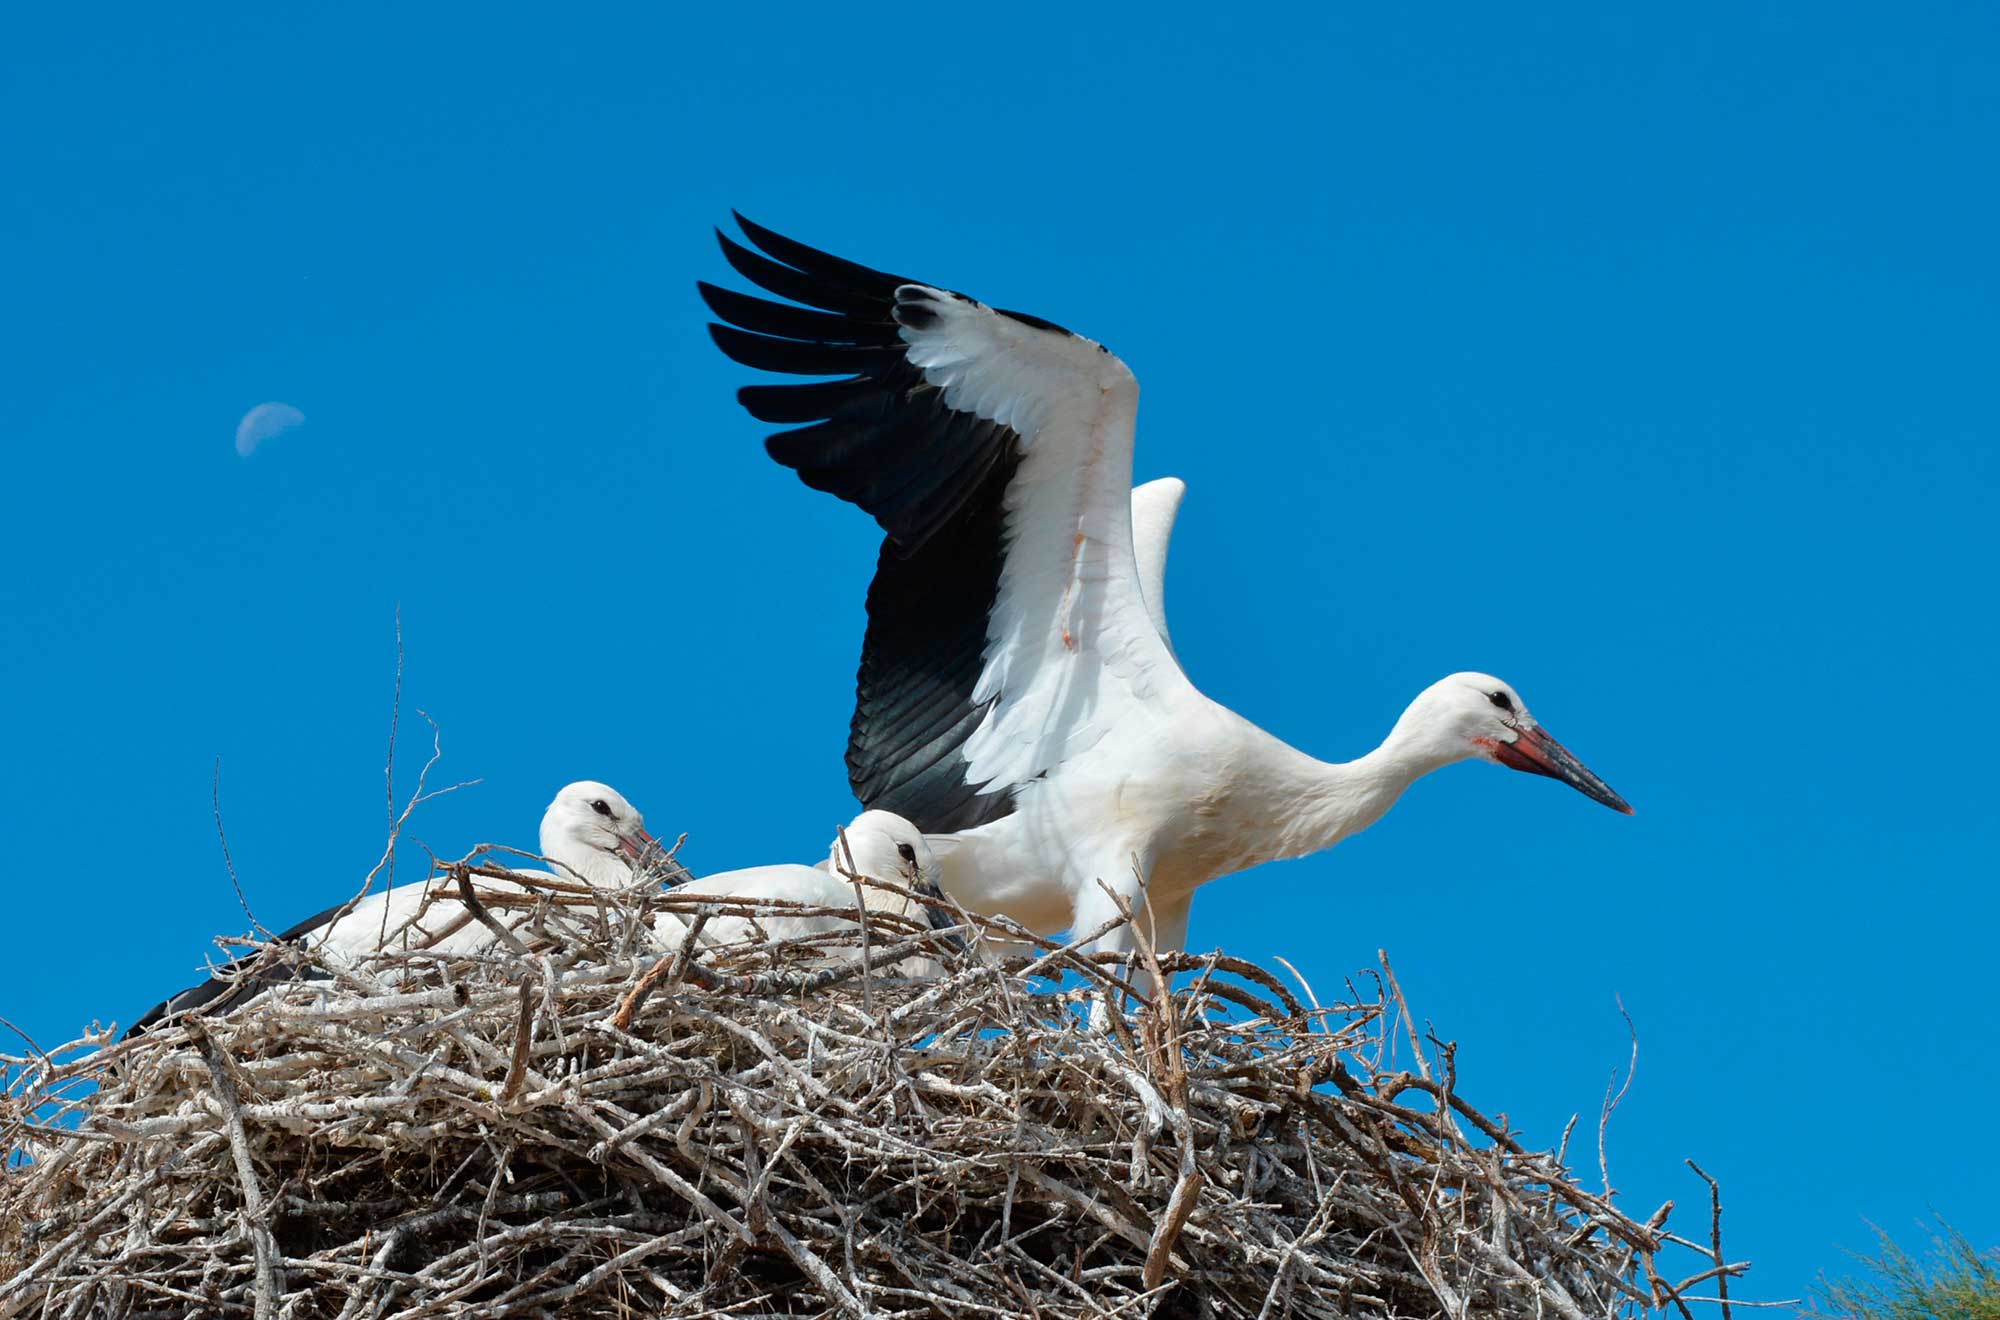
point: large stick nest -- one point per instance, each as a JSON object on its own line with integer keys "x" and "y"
{"x": 589, "y": 1130}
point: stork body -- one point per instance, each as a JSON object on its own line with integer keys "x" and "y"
{"x": 878, "y": 845}
{"x": 1017, "y": 697}
{"x": 589, "y": 830}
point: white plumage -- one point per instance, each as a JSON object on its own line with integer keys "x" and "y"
{"x": 878, "y": 845}
{"x": 1154, "y": 507}
{"x": 589, "y": 831}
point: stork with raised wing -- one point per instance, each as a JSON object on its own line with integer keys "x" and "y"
{"x": 1017, "y": 697}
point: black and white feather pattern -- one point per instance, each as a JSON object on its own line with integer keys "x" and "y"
{"x": 932, "y": 478}
{"x": 985, "y": 443}
{"x": 242, "y": 977}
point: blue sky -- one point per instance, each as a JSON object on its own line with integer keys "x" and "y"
{"x": 1646, "y": 360}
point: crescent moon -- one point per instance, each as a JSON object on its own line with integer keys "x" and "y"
{"x": 264, "y": 422}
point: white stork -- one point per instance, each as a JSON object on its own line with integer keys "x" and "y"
{"x": 591, "y": 832}
{"x": 879, "y": 845}
{"x": 1017, "y": 698}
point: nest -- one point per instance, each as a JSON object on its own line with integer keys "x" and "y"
{"x": 586, "y": 1128}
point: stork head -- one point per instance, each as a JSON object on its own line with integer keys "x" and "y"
{"x": 595, "y": 832}
{"x": 886, "y": 847}
{"x": 1471, "y": 714}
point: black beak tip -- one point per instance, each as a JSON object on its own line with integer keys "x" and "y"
{"x": 1598, "y": 791}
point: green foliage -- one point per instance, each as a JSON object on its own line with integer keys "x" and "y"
{"x": 1956, "y": 1282}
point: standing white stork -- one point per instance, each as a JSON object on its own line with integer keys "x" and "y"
{"x": 590, "y": 831}
{"x": 1017, "y": 698}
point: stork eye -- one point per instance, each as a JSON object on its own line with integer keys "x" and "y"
{"x": 1502, "y": 700}
{"x": 601, "y": 807}
{"x": 907, "y": 853}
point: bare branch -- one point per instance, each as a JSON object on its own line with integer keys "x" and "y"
{"x": 1611, "y": 1101}
{"x": 228, "y": 862}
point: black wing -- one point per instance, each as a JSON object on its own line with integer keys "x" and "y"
{"x": 934, "y": 478}
{"x": 235, "y": 981}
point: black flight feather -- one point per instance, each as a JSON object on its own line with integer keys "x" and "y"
{"x": 935, "y": 480}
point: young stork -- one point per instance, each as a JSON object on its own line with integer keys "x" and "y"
{"x": 592, "y": 833}
{"x": 881, "y": 846}
{"x": 1017, "y": 698}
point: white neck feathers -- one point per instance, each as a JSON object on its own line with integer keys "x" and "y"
{"x": 1315, "y": 804}
{"x": 594, "y": 866}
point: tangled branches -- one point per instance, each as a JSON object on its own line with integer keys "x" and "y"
{"x": 776, "y": 1131}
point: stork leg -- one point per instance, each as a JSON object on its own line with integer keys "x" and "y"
{"x": 1169, "y": 928}
{"x": 1109, "y": 893}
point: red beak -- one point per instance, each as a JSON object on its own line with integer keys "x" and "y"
{"x": 1538, "y": 754}
{"x": 635, "y": 844}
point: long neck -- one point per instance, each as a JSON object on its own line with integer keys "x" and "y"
{"x": 1315, "y": 804}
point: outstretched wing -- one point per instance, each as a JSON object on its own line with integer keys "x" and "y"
{"x": 1007, "y": 629}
